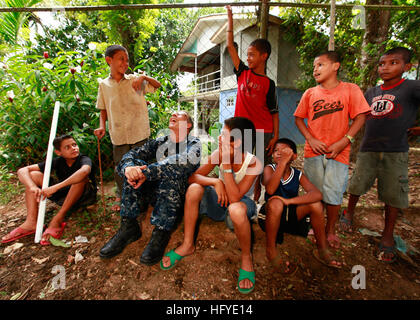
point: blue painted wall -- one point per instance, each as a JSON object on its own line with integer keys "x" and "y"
{"x": 287, "y": 100}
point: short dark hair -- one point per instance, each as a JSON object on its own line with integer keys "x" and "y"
{"x": 243, "y": 124}
{"x": 262, "y": 45}
{"x": 333, "y": 56}
{"x": 58, "y": 140}
{"x": 406, "y": 53}
{"x": 189, "y": 119}
{"x": 113, "y": 49}
{"x": 288, "y": 142}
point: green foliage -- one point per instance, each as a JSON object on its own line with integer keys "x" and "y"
{"x": 38, "y": 82}
{"x": 9, "y": 186}
{"x": 130, "y": 28}
{"x": 12, "y": 23}
{"x": 71, "y": 35}
{"x": 308, "y": 29}
{"x": 71, "y": 78}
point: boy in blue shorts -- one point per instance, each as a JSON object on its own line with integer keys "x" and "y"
{"x": 383, "y": 153}
{"x": 287, "y": 211}
{"x": 329, "y": 108}
{"x": 228, "y": 195}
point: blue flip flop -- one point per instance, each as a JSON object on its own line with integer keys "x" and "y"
{"x": 174, "y": 257}
{"x": 250, "y": 275}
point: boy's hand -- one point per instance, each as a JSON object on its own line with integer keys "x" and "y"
{"x": 285, "y": 201}
{"x": 222, "y": 197}
{"x": 100, "y": 132}
{"x": 48, "y": 192}
{"x": 229, "y": 11}
{"x": 318, "y": 146}
{"x": 271, "y": 144}
{"x": 224, "y": 152}
{"x": 337, "y": 147}
{"x": 36, "y": 192}
{"x": 414, "y": 131}
{"x": 286, "y": 155}
{"x": 137, "y": 83}
{"x": 135, "y": 176}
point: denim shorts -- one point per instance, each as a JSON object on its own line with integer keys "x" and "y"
{"x": 210, "y": 208}
{"x": 329, "y": 176}
{"x": 391, "y": 170}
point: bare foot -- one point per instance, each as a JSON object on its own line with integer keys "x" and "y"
{"x": 325, "y": 256}
{"x": 247, "y": 266}
{"x": 333, "y": 241}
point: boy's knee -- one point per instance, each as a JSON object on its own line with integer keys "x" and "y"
{"x": 275, "y": 206}
{"x": 237, "y": 211}
{"x": 317, "y": 207}
{"x": 194, "y": 191}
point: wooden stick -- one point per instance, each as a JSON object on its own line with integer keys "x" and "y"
{"x": 100, "y": 173}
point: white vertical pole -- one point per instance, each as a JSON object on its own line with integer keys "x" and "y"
{"x": 47, "y": 171}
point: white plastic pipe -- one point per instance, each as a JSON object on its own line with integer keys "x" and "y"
{"x": 47, "y": 172}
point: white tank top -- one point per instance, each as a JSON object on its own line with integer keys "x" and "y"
{"x": 240, "y": 174}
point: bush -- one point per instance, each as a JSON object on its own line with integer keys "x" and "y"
{"x": 29, "y": 86}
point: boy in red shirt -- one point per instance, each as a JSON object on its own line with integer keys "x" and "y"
{"x": 329, "y": 108}
{"x": 256, "y": 95}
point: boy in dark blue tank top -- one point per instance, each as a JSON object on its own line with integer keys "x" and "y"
{"x": 286, "y": 211}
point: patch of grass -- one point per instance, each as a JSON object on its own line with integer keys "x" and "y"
{"x": 9, "y": 186}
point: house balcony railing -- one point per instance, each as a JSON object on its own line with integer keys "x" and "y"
{"x": 207, "y": 88}
{"x": 208, "y": 82}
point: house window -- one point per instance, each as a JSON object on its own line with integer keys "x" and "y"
{"x": 230, "y": 101}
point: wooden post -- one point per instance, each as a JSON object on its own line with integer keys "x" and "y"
{"x": 264, "y": 19}
{"x": 332, "y": 26}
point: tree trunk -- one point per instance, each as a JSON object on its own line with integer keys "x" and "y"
{"x": 374, "y": 42}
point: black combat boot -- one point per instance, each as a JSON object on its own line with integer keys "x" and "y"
{"x": 128, "y": 232}
{"x": 156, "y": 247}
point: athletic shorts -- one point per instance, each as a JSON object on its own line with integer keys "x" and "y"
{"x": 289, "y": 222}
{"x": 88, "y": 197}
{"x": 329, "y": 176}
{"x": 391, "y": 170}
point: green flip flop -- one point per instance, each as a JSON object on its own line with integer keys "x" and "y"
{"x": 250, "y": 275}
{"x": 174, "y": 257}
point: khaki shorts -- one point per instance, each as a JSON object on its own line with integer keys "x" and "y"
{"x": 391, "y": 170}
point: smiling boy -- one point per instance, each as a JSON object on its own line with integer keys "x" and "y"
{"x": 122, "y": 103}
{"x": 383, "y": 153}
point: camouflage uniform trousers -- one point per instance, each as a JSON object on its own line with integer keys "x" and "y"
{"x": 166, "y": 196}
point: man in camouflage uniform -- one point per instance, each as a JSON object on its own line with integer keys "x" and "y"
{"x": 163, "y": 184}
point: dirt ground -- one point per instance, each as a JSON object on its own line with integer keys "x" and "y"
{"x": 33, "y": 272}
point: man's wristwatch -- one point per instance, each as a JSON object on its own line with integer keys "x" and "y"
{"x": 349, "y": 137}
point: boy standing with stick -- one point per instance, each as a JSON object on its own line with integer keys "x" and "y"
{"x": 122, "y": 103}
